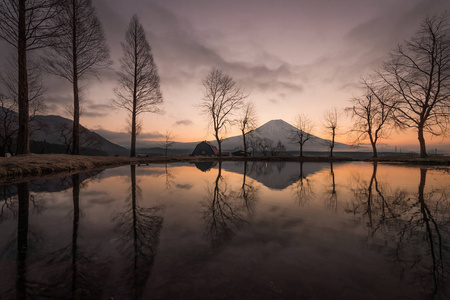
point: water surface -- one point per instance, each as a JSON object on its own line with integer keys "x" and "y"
{"x": 229, "y": 231}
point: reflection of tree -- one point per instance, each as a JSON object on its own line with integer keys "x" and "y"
{"x": 223, "y": 211}
{"x": 22, "y": 240}
{"x": 302, "y": 188}
{"x": 249, "y": 192}
{"x": 169, "y": 178}
{"x": 139, "y": 228}
{"x": 412, "y": 232}
{"x": 331, "y": 197}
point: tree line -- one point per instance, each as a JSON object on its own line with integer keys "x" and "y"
{"x": 71, "y": 44}
{"x": 411, "y": 89}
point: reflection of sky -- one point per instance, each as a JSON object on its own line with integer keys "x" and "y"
{"x": 282, "y": 246}
{"x": 287, "y": 54}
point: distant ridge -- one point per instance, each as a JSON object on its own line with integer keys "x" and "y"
{"x": 46, "y": 131}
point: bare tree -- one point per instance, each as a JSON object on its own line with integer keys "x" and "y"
{"x": 275, "y": 150}
{"x": 372, "y": 114}
{"x": 168, "y": 141}
{"x": 88, "y": 139}
{"x": 221, "y": 100}
{"x": 418, "y": 71}
{"x": 80, "y": 51}
{"x": 301, "y": 133}
{"x": 138, "y": 90}
{"x": 330, "y": 124}
{"x": 9, "y": 121}
{"x": 265, "y": 145}
{"x": 26, "y": 26}
{"x": 247, "y": 122}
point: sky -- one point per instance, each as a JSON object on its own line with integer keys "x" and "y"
{"x": 292, "y": 57}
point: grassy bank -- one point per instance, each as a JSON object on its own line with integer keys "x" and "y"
{"x": 27, "y": 167}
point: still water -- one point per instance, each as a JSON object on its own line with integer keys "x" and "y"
{"x": 229, "y": 231}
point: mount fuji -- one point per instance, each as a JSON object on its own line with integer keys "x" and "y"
{"x": 275, "y": 130}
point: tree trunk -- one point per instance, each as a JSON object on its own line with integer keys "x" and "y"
{"x": 332, "y": 142}
{"x": 220, "y": 147}
{"x": 245, "y": 143}
{"x": 23, "y": 137}
{"x": 374, "y": 148}
{"x": 76, "y": 100}
{"x": 373, "y": 142}
{"x": 423, "y": 149}
{"x": 133, "y": 131}
{"x": 301, "y": 149}
{"x": 133, "y": 114}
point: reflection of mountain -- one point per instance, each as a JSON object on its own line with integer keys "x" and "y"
{"x": 275, "y": 175}
{"x": 52, "y": 185}
{"x": 205, "y": 165}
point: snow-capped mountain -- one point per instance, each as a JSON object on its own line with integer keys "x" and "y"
{"x": 279, "y": 130}
{"x": 275, "y": 130}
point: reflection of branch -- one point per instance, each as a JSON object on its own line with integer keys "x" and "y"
{"x": 169, "y": 179}
{"x": 302, "y": 189}
{"x": 223, "y": 215}
{"x": 332, "y": 199}
{"x": 407, "y": 230}
{"x": 139, "y": 228}
{"x": 249, "y": 193}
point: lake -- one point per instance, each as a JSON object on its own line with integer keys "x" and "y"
{"x": 230, "y": 230}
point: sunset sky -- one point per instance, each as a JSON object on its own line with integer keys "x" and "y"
{"x": 290, "y": 56}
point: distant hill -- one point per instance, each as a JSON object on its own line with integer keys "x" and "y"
{"x": 49, "y": 134}
{"x": 55, "y": 128}
{"x": 52, "y": 133}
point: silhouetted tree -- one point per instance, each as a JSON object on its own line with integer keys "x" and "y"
{"x": 26, "y": 26}
{"x": 265, "y": 145}
{"x": 138, "y": 90}
{"x": 9, "y": 121}
{"x": 330, "y": 124}
{"x": 372, "y": 114}
{"x": 277, "y": 149}
{"x": 301, "y": 132}
{"x": 168, "y": 141}
{"x": 248, "y": 122}
{"x": 88, "y": 140}
{"x": 222, "y": 99}
{"x": 419, "y": 73}
{"x": 80, "y": 51}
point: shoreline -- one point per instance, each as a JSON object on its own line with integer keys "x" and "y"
{"x": 35, "y": 166}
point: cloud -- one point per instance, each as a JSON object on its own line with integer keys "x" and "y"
{"x": 123, "y": 138}
{"x": 93, "y": 110}
{"x": 183, "y": 122}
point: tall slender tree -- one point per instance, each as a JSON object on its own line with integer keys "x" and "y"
{"x": 26, "y": 26}
{"x": 138, "y": 91}
{"x": 80, "y": 51}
